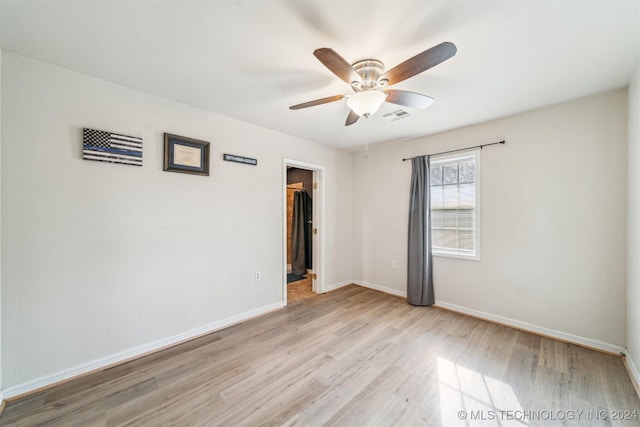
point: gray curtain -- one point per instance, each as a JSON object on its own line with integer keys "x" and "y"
{"x": 298, "y": 225}
{"x": 420, "y": 272}
{"x": 308, "y": 230}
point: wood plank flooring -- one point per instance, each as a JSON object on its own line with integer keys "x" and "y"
{"x": 352, "y": 357}
{"x": 299, "y": 290}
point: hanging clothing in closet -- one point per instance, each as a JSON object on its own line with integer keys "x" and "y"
{"x": 301, "y": 232}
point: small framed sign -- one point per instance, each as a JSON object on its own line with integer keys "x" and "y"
{"x": 240, "y": 159}
{"x": 186, "y": 155}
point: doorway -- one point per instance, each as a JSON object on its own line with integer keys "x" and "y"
{"x": 302, "y": 238}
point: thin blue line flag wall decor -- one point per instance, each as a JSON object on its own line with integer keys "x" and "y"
{"x": 111, "y": 147}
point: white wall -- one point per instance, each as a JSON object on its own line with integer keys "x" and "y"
{"x": 553, "y": 219}
{"x": 103, "y": 260}
{"x": 1, "y": 388}
{"x": 633, "y": 224}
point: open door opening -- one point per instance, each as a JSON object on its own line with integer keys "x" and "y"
{"x": 302, "y": 239}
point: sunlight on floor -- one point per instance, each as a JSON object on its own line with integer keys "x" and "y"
{"x": 468, "y": 397}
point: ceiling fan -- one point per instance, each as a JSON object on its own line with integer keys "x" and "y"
{"x": 368, "y": 80}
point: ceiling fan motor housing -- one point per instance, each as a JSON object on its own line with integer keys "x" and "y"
{"x": 369, "y": 71}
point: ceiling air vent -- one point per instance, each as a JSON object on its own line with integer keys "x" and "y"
{"x": 396, "y": 115}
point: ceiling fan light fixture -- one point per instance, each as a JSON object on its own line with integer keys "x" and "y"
{"x": 366, "y": 103}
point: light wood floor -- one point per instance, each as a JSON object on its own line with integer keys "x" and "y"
{"x": 299, "y": 290}
{"x": 351, "y": 357}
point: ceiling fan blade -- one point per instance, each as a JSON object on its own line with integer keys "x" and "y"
{"x": 409, "y": 99}
{"x": 351, "y": 118}
{"x": 337, "y": 64}
{"x": 316, "y": 102}
{"x": 421, "y": 62}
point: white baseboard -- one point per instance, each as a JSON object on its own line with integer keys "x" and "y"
{"x": 102, "y": 363}
{"x": 540, "y": 330}
{"x": 632, "y": 367}
{"x": 380, "y": 288}
{"x": 552, "y": 333}
{"x": 633, "y": 371}
{"x": 337, "y": 286}
{"x": 365, "y": 285}
{"x": 124, "y": 356}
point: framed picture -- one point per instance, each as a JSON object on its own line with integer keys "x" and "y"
{"x": 186, "y": 155}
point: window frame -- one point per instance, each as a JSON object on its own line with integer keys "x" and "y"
{"x": 452, "y": 253}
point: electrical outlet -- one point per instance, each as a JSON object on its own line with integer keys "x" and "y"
{"x": 394, "y": 264}
{"x": 258, "y": 275}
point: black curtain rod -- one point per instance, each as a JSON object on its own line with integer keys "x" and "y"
{"x": 460, "y": 149}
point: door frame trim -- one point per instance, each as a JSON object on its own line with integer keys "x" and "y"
{"x": 318, "y": 223}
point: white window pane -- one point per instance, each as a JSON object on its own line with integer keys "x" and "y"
{"x": 437, "y": 201}
{"x": 450, "y": 239}
{"x": 467, "y": 194}
{"x": 468, "y": 171}
{"x": 449, "y": 219}
{"x": 466, "y": 219}
{"x": 451, "y": 197}
{"x": 436, "y": 219}
{"x": 453, "y": 204}
{"x": 466, "y": 240}
{"x": 436, "y": 175}
{"x": 436, "y": 238}
{"x": 450, "y": 174}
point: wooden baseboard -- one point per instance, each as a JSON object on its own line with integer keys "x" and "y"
{"x": 3, "y": 404}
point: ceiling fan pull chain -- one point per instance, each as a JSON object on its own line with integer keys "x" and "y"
{"x": 366, "y": 137}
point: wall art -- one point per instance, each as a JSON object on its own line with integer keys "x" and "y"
{"x": 186, "y": 155}
{"x": 111, "y": 147}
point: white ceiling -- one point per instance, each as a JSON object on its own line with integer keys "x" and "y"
{"x": 252, "y": 59}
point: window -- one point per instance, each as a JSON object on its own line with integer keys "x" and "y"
{"x": 455, "y": 215}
